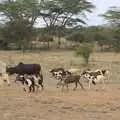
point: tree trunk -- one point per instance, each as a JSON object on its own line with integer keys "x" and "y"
{"x": 59, "y": 43}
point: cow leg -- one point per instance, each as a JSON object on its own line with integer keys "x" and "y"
{"x": 42, "y": 86}
{"x": 30, "y": 88}
{"x": 59, "y": 83}
{"x": 17, "y": 77}
{"x": 40, "y": 82}
{"x": 37, "y": 87}
{"x": 1, "y": 82}
{"x": 40, "y": 75}
{"x": 24, "y": 86}
{"x": 24, "y": 89}
{"x": 57, "y": 86}
{"x": 90, "y": 82}
{"x": 29, "y": 83}
{"x": 33, "y": 87}
{"x": 75, "y": 86}
{"x": 67, "y": 86}
{"x": 8, "y": 82}
{"x": 63, "y": 86}
{"x": 104, "y": 84}
{"x": 80, "y": 84}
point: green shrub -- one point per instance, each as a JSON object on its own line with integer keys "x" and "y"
{"x": 84, "y": 50}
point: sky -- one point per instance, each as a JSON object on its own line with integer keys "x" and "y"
{"x": 101, "y": 7}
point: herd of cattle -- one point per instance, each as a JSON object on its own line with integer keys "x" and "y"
{"x": 31, "y": 77}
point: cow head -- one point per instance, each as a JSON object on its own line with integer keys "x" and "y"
{"x": 58, "y": 75}
{"x": 105, "y": 72}
{"x": 10, "y": 70}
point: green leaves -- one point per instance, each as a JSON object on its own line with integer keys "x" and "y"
{"x": 21, "y": 16}
{"x": 63, "y": 12}
{"x": 84, "y": 50}
{"x": 113, "y": 15}
{"x": 57, "y": 15}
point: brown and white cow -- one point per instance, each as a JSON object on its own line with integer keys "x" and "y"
{"x": 96, "y": 76}
{"x": 59, "y": 73}
{"x": 72, "y": 79}
{"x": 29, "y": 82}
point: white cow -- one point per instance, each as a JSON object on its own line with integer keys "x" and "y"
{"x": 96, "y": 76}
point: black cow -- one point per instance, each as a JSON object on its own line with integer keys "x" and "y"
{"x": 29, "y": 69}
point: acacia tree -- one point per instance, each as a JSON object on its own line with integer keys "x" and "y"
{"x": 113, "y": 16}
{"x": 20, "y": 17}
{"x": 65, "y": 12}
{"x": 59, "y": 14}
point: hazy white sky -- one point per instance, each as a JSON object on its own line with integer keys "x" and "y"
{"x": 101, "y": 7}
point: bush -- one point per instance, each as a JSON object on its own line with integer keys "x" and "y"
{"x": 84, "y": 50}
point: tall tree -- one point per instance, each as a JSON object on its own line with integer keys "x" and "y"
{"x": 59, "y": 14}
{"x": 20, "y": 17}
{"x": 113, "y": 16}
{"x": 65, "y": 12}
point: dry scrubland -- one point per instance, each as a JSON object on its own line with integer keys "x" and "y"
{"x": 52, "y": 104}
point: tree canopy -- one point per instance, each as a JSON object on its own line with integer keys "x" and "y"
{"x": 113, "y": 16}
{"x": 20, "y": 17}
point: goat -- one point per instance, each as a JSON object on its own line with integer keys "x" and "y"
{"x": 72, "y": 79}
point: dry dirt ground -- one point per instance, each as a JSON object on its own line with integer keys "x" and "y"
{"x": 52, "y": 103}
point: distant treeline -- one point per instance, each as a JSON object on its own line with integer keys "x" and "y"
{"x": 64, "y": 25}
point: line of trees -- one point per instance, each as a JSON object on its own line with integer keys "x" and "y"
{"x": 20, "y": 17}
{"x": 62, "y": 18}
